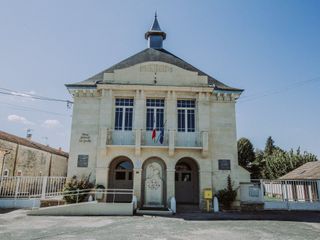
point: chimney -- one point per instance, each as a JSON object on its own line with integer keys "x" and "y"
{"x": 29, "y": 134}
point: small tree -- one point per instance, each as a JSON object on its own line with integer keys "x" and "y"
{"x": 75, "y": 184}
{"x": 228, "y": 195}
{"x": 246, "y": 155}
{"x": 270, "y": 147}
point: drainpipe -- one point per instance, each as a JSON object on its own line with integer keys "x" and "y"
{"x": 318, "y": 187}
{"x": 15, "y": 160}
{"x": 49, "y": 171}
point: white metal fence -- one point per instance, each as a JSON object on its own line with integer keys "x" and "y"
{"x": 283, "y": 194}
{"x": 25, "y": 187}
{"x": 291, "y": 190}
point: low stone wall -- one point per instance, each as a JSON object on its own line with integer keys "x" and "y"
{"x": 87, "y": 209}
{"x": 19, "y": 203}
{"x": 251, "y": 206}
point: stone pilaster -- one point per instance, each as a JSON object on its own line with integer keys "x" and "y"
{"x": 170, "y": 183}
{"x": 139, "y": 110}
{"x": 104, "y": 123}
{"x": 137, "y": 178}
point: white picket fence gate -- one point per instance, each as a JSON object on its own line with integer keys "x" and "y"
{"x": 30, "y": 187}
{"x": 282, "y": 194}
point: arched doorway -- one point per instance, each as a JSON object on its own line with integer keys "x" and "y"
{"x": 154, "y": 183}
{"x": 187, "y": 181}
{"x": 120, "y": 177}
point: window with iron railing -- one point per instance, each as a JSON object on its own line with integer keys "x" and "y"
{"x": 186, "y": 115}
{"x": 123, "y": 114}
{"x": 155, "y": 114}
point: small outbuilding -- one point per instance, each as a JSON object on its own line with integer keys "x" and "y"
{"x": 309, "y": 170}
{"x": 24, "y": 157}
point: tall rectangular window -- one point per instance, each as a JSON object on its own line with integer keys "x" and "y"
{"x": 155, "y": 114}
{"x": 123, "y": 114}
{"x": 186, "y": 115}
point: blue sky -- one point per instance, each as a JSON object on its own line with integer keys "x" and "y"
{"x": 269, "y": 48}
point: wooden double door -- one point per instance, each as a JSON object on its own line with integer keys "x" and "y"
{"x": 120, "y": 177}
{"x": 187, "y": 182}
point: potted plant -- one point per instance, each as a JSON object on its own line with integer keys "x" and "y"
{"x": 228, "y": 195}
{"x": 76, "y": 190}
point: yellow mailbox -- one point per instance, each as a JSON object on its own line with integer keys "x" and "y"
{"x": 208, "y": 193}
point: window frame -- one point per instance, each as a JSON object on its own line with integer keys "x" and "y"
{"x": 155, "y": 106}
{"x": 189, "y": 105}
{"x": 126, "y": 105}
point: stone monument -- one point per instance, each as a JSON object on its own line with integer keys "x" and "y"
{"x": 153, "y": 185}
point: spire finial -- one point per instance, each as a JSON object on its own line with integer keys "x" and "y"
{"x": 155, "y": 35}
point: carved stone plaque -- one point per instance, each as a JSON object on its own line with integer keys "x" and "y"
{"x": 153, "y": 185}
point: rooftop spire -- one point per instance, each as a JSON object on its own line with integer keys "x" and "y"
{"x": 155, "y": 35}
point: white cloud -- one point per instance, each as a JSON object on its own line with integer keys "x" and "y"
{"x": 19, "y": 119}
{"x": 51, "y": 123}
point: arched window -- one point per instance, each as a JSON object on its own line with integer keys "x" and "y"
{"x": 183, "y": 172}
{"x": 183, "y": 167}
{"x": 123, "y": 170}
{"x": 124, "y": 165}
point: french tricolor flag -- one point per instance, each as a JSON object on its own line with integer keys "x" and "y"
{"x": 154, "y": 134}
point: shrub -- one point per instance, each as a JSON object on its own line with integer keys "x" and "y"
{"x": 74, "y": 184}
{"x": 228, "y": 195}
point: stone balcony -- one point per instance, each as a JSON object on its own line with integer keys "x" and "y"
{"x": 139, "y": 138}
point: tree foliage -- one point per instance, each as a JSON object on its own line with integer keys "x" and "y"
{"x": 275, "y": 162}
{"x": 269, "y": 148}
{"x": 74, "y": 185}
{"x": 228, "y": 195}
{"x": 246, "y": 154}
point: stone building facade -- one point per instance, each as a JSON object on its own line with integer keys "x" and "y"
{"x": 156, "y": 124}
{"x": 23, "y": 157}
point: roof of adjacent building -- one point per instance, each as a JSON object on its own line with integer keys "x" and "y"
{"x": 147, "y": 55}
{"x": 28, "y": 143}
{"x": 309, "y": 170}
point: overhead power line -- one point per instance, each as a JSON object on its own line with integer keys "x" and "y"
{"x": 279, "y": 90}
{"x": 11, "y": 92}
{"x": 31, "y": 109}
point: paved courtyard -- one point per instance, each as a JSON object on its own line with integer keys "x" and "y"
{"x": 16, "y": 225}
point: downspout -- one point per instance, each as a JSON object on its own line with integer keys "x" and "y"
{"x": 15, "y": 160}
{"x": 49, "y": 172}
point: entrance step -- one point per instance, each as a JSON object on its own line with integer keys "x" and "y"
{"x": 188, "y": 208}
{"x": 154, "y": 211}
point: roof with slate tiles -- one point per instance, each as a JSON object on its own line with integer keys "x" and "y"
{"x": 154, "y": 55}
{"x": 148, "y": 55}
{"x": 309, "y": 170}
{"x": 28, "y": 143}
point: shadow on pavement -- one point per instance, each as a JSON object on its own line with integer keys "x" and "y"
{"x": 6, "y": 210}
{"x": 295, "y": 216}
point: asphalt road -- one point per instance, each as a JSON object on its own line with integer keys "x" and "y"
{"x": 17, "y": 225}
